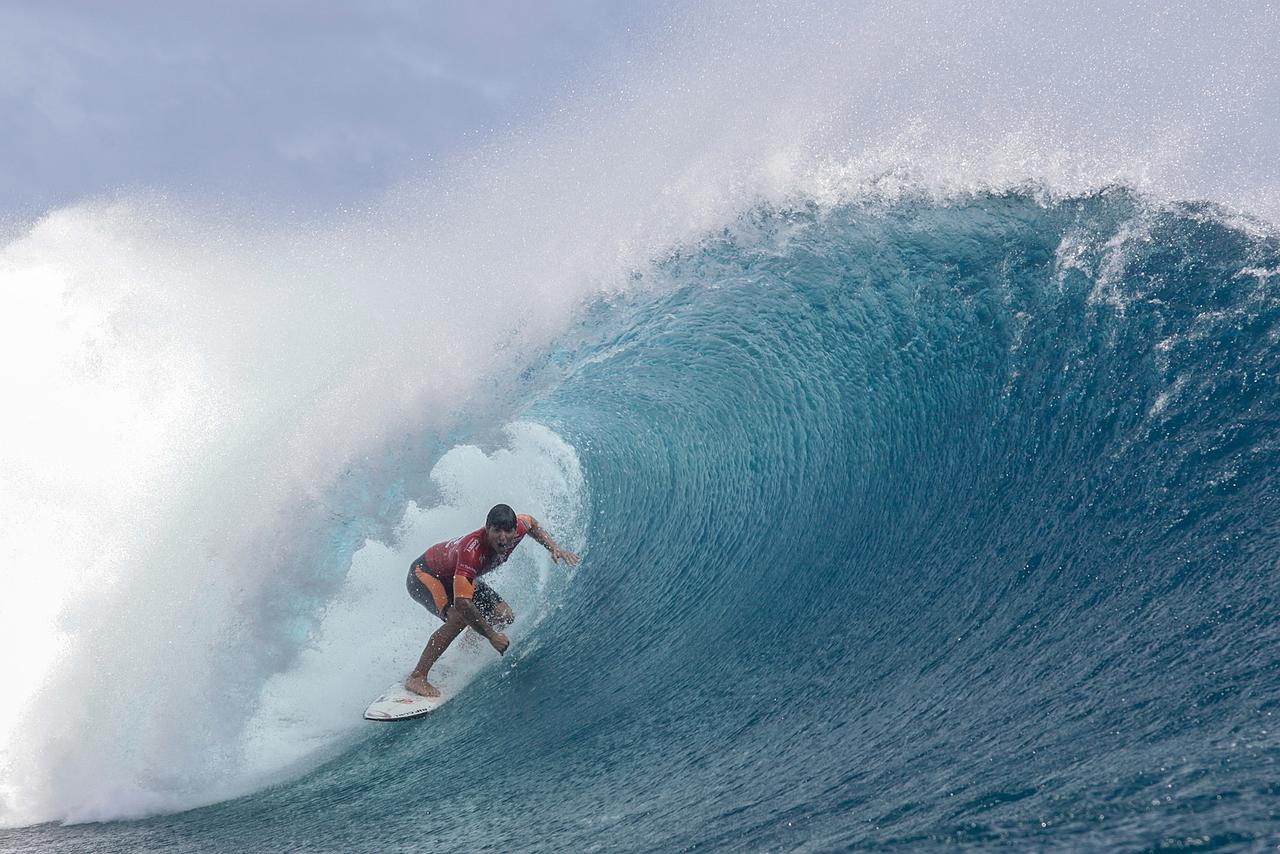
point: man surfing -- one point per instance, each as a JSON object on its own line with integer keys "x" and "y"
{"x": 445, "y": 581}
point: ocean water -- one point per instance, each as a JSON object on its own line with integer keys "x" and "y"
{"x": 925, "y": 479}
{"x": 906, "y": 524}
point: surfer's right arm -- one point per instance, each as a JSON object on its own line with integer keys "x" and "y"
{"x": 463, "y": 590}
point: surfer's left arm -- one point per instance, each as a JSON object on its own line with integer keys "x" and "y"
{"x": 540, "y": 534}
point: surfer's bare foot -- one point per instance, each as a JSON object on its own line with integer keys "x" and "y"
{"x": 419, "y": 685}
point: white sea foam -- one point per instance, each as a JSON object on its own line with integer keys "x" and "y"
{"x": 185, "y": 397}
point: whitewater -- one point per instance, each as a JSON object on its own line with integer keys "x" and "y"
{"x": 907, "y": 379}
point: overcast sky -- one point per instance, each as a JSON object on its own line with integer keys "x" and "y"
{"x": 313, "y": 103}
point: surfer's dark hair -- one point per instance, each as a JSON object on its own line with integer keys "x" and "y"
{"x": 501, "y": 518}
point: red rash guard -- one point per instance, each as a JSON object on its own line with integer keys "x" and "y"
{"x": 462, "y": 559}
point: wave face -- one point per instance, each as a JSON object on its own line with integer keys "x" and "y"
{"x": 908, "y": 523}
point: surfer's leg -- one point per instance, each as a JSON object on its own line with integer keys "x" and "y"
{"x": 440, "y": 640}
{"x": 503, "y": 616}
{"x": 493, "y": 607}
{"x": 429, "y": 592}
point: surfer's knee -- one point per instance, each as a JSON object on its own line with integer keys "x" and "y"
{"x": 453, "y": 623}
{"x": 503, "y": 615}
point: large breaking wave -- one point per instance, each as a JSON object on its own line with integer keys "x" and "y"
{"x": 922, "y": 457}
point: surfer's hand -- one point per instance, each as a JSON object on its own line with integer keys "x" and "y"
{"x": 558, "y": 554}
{"x": 500, "y": 643}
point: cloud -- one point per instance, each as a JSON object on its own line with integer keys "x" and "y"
{"x": 292, "y": 102}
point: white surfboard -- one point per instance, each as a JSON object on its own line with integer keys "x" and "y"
{"x": 398, "y": 704}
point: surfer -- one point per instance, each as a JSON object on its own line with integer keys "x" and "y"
{"x": 445, "y": 581}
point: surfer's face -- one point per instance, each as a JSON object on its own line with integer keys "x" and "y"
{"x": 499, "y": 540}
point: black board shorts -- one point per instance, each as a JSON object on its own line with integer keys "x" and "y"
{"x": 486, "y": 599}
